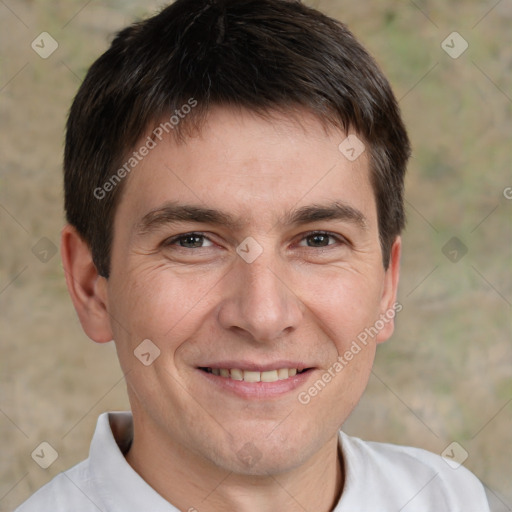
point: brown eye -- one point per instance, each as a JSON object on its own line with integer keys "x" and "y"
{"x": 190, "y": 241}
{"x": 320, "y": 239}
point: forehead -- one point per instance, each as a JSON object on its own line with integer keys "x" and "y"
{"x": 260, "y": 168}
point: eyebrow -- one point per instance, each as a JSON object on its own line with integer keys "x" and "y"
{"x": 172, "y": 212}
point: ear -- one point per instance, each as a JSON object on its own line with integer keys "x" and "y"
{"x": 389, "y": 307}
{"x": 88, "y": 290}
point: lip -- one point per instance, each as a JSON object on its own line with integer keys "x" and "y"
{"x": 256, "y": 390}
{"x": 247, "y": 365}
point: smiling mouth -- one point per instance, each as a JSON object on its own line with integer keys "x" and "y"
{"x": 255, "y": 376}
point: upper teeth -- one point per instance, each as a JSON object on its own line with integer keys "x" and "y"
{"x": 252, "y": 376}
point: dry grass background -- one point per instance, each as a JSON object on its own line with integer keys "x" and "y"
{"x": 446, "y": 375}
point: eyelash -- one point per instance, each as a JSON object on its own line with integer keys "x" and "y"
{"x": 177, "y": 238}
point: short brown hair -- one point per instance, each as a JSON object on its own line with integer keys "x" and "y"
{"x": 260, "y": 55}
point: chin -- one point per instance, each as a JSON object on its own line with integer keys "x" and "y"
{"x": 265, "y": 452}
{"x": 252, "y": 461}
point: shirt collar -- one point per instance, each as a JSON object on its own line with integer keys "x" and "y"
{"x": 120, "y": 488}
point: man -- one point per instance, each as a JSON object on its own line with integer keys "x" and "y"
{"x": 234, "y": 191}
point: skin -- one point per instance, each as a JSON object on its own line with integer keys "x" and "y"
{"x": 297, "y": 301}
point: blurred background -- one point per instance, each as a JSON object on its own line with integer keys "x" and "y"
{"x": 446, "y": 374}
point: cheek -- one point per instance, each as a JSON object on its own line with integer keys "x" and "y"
{"x": 330, "y": 398}
{"x": 159, "y": 303}
{"x": 347, "y": 303}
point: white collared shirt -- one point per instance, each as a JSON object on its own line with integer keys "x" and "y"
{"x": 380, "y": 477}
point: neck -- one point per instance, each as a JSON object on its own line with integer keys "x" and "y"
{"x": 194, "y": 484}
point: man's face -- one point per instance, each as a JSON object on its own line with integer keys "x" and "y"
{"x": 262, "y": 293}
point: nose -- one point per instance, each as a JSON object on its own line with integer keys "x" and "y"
{"x": 259, "y": 302}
